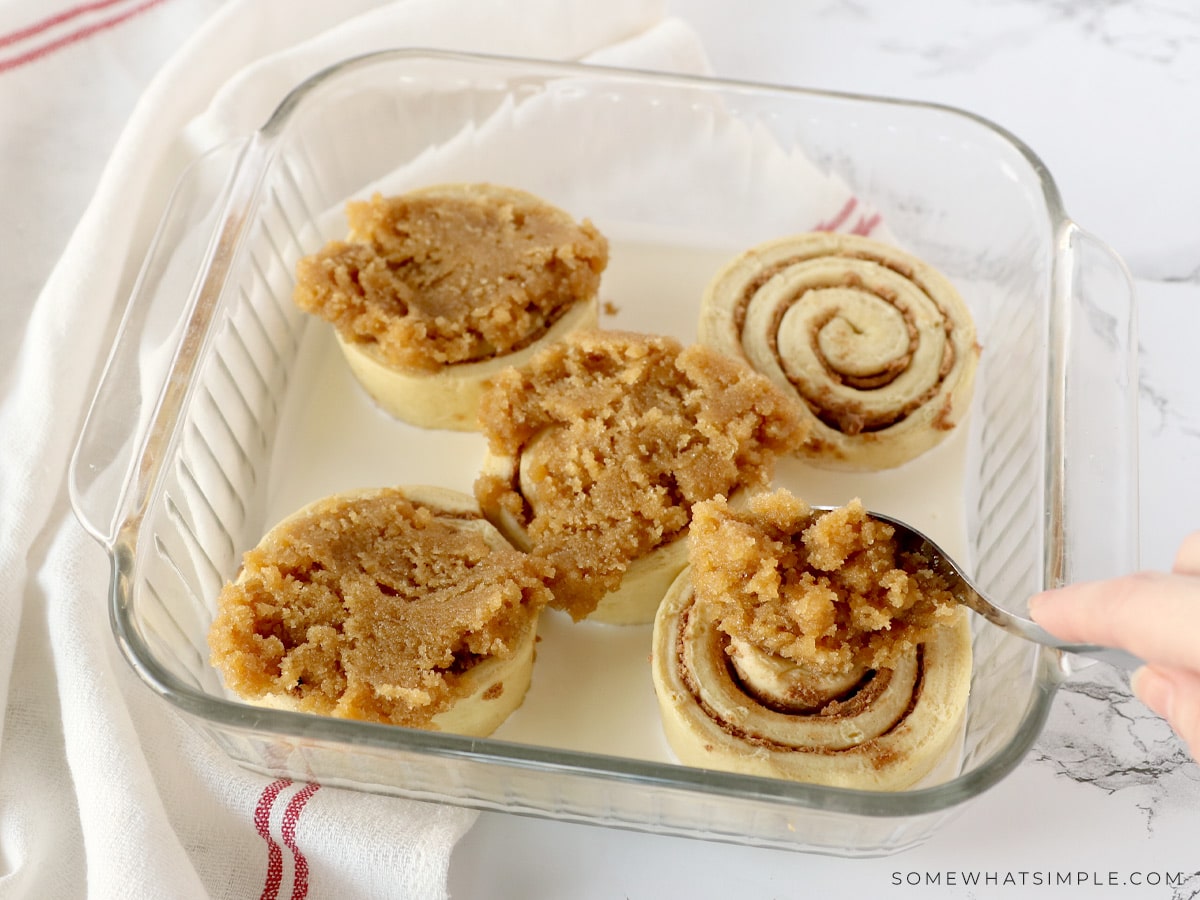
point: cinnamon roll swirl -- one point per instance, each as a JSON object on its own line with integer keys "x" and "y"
{"x": 877, "y": 347}
{"x": 807, "y": 647}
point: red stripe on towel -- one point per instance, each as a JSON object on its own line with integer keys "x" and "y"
{"x": 865, "y": 225}
{"x": 73, "y": 37}
{"x": 836, "y": 222}
{"x": 262, "y": 822}
{"x": 291, "y": 817}
{"x": 57, "y": 19}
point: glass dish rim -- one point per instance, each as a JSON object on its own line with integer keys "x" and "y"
{"x": 221, "y": 713}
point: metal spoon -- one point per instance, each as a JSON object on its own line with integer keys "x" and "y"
{"x": 908, "y": 539}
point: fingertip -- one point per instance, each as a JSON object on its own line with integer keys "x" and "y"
{"x": 1187, "y": 559}
{"x": 1136, "y": 679}
{"x": 1034, "y": 603}
{"x": 1057, "y": 610}
{"x": 1153, "y": 689}
{"x": 1174, "y": 694}
{"x": 1040, "y": 603}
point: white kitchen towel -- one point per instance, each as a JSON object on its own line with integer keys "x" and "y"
{"x": 104, "y": 791}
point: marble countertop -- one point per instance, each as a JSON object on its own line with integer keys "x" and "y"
{"x": 1107, "y": 93}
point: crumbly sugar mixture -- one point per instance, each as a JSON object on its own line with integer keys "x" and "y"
{"x": 451, "y": 275}
{"x": 623, "y": 433}
{"x": 830, "y": 591}
{"x": 371, "y": 609}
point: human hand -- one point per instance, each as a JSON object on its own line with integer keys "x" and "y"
{"x": 1152, "y": 614}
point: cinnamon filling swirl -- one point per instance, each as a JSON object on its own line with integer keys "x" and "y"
{"x": 877, "y": 347}
{"x": 809, "y": 647}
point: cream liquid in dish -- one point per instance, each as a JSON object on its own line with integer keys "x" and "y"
{"x": 591, "y": 687}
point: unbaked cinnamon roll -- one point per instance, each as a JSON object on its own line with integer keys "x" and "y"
{"x": 599, "y": 447}
{"x": 437, "y": 290}
{"x": 807, "y": 647}
{"x": 877, "y": 347}
{"x": 402, "y": 606}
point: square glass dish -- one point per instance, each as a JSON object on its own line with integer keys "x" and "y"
{"x": 223, "y": 407}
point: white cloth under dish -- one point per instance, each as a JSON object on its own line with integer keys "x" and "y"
{"x": 104, "y": 791}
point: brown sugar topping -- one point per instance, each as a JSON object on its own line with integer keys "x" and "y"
{"x": 621, "y": 434}
{"x": 371, "y": 609}
{"x": 829, "y": 591}
{"x": 451, "y": 275}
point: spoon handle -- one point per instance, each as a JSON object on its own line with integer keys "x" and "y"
{"x": 1114, "y": 656}
{"x": 1031, "y": 631}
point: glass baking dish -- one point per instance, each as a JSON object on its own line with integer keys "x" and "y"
{"x": 223, "y": 408}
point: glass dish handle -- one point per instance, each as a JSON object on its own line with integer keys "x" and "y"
{"x": 1099, "y": 477}
{"x": 143, "y": 372}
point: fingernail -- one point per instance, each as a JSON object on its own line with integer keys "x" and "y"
{"x": 1152, "y": 689}
{"x": 1036, "y": 602}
